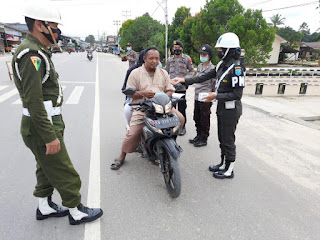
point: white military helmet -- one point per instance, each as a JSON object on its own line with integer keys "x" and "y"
{"x": 228, "y": 40}
{"x": 42, "y": 10}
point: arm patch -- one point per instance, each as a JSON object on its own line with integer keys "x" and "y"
{"x": 238, "y": 77}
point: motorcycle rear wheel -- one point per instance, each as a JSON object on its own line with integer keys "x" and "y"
{"x": 171, "y": 174}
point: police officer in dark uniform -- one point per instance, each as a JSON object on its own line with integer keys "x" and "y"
{"x": 180, "y": 65}
{"x": 42, "y": 126}
{"x": 229, "y": 87}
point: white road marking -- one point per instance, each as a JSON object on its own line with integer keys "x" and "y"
{"x": 75, "y": 95}
{"x": 3, "y": 87}
{"x": 92, "y": 230}
{"x": 8, "y": 95}
{"x": 18, "y": 101}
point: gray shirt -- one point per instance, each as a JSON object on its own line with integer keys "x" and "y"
{"x": 180, "y": 67}
{"x": 206, "y": 86}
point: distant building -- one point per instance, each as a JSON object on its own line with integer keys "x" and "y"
{"x": 11, "y": 34}
{"x": 309, "y": 50}
{"x": 276, "y": 49}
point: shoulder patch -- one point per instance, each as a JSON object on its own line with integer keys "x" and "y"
{"x": 237, "y": 71}
{"x": 36, "y": 62}
{"x": 190, "y": 60}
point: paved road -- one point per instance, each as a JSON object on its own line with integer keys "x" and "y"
{"x": 275, "y": 193}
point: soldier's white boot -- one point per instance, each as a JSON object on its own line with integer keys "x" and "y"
{"x": 47, "y": 208}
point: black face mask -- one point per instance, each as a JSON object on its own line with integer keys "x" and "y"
{"x": 177, "y": 52}
{"x": 49, "y": 36}
{"x": 220, "y": 54}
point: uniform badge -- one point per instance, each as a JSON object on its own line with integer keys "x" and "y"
{"x": 36, "y": 62}
{"x": 237, "y": 71}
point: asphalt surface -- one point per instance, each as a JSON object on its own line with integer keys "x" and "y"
{"x": 275, "y": 193}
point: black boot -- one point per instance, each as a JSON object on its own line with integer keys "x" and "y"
{"x": 226, "y": 173}
{"x": 84, "y": 214}
{"x": 219, "y": 167}
{"x": 193, "y": 140}
{"x": 202, "y": 141}
{"x": 60, "y": 211}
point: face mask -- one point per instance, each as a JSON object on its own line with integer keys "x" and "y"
{"x": 203, "y": 59}
{"x": 49, "y": 36}
{"x": 128, "y": 48}
{"x": 177, "y": 52}
{"x": 220, "y": 54}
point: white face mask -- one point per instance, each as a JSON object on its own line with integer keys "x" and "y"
{"x": 128, "y": 48}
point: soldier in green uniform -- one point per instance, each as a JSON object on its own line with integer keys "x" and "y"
{"x": 42, "y": 126}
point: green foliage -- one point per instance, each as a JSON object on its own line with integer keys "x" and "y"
{"x": 139, "y": 31}
{"x": 256, "y": 37}
{"x": 177, "y": 25}
{"x": 158, "y": 40}
{"x": 293, "y": 37}
{"x": 277, "y": 20}
{"x": 90, "y": 39}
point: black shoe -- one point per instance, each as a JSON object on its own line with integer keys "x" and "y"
{"x": 93, "y": 214}
{"x": 61, "y": 211}
{"x": 215, "y": 168}
{"x": 221, "y": 175}
{"x": 201, "y": 142}
{"x": 182, "y": 132}
{"x": 193, "y": 140}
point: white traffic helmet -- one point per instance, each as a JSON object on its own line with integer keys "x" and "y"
{"x": 42, "y": 10}
{"x": 228, "y": 40}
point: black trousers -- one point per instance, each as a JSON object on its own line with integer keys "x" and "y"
{"x": 226, "y": 133}
{"x": 182, "y": 106}
{"x": 201, "y": 117}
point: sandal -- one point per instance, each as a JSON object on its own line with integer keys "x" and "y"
{"x": 117, "y": 164}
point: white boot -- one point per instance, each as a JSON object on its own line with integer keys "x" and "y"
{"x": 76, "y": 214}
{"x": 44, "y": 207}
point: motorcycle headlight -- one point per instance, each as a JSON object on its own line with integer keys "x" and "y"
{"x": 168, "y": 107}
{"x": 158, "y": 108}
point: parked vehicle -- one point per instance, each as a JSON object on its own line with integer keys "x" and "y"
{"x": 56, "y": 49}
{"x": 158, "y": 140}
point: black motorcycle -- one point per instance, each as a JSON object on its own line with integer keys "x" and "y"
{"x": 89, "y": 56}
{"x": 158, "y": 140}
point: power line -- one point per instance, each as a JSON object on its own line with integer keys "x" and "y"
{"x": 259, "y": 3}
{"x": 305, "y": 4}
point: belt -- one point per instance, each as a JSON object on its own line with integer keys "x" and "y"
{"x": 54, "y": 112}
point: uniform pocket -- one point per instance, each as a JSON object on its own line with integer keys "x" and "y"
{"x": 25, "y": 128}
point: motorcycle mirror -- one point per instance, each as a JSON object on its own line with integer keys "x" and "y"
{"x": 129, "y": 91}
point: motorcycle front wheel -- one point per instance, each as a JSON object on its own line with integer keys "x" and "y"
{"x": 171, "y": 174}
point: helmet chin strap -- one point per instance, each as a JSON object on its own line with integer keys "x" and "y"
{"x": 225, "y": 54}
{"x": 51, "y": 33}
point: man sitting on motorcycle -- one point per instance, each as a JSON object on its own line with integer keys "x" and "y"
{"x": 147, "y": 80}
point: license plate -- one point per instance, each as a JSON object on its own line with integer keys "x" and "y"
{"x": 167, "y": 122}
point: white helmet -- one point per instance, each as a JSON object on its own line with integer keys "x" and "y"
{"x": 228, "y": 40}
{"x": 42, "y": 10}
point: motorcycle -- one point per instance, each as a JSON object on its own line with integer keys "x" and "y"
{"x": 89, "y": 56}
{"x": 158, "y": 140}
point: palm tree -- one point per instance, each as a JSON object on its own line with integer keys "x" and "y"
{"x": 277, "y": 20}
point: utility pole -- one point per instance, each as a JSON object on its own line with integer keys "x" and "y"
{"x": 126, "y": 13}
{"x": 166, "y": 18}
{"x": 117, "y": 23}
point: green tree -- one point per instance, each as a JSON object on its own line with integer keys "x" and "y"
{"x": 277, "y": 20}
{"x": 212, "y": 21}
{"x": 90, "y": 39}
{"x": 140, "y": 31}
{"x": 158, "y": 40}
{"x": 256, "y": 37}
{"x": 293, "y": 37}
{"x": 177, "y": 24}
